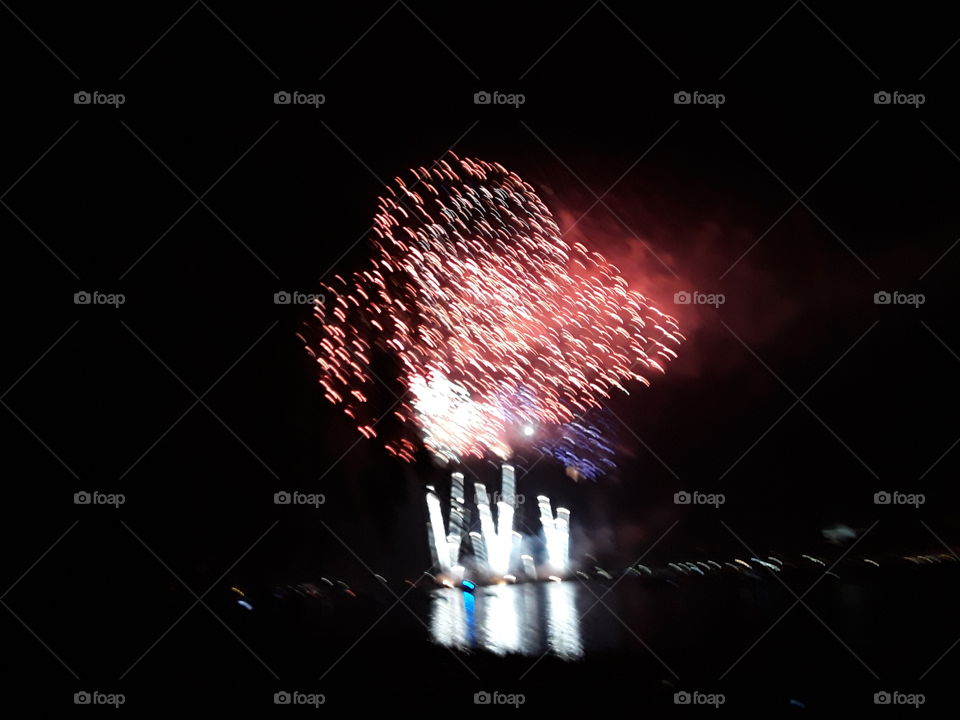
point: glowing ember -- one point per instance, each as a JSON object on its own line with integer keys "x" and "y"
{"x": 501, "y": 329}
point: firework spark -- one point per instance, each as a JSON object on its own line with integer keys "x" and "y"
{"x": 500, "y": 328}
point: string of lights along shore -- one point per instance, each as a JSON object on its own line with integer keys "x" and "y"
{"x": 505, "y": 338}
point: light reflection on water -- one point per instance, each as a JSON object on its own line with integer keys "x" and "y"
{"x": 527, "y": 619}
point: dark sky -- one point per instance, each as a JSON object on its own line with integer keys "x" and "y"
{"x": 199, "y": 198}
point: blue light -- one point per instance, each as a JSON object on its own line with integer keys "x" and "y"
{"x": 469, "y": 585}
{"x": 469, "y": 607}
{"x": 244, "y": 603}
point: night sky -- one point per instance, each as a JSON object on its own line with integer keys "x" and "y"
{"x": 199, "y": 198}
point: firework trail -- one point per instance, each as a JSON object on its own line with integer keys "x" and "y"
{"x": 585, "y": 446}
{"x": 500, "y": 329}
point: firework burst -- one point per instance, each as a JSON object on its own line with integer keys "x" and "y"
{"x": 498, "y": 326}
